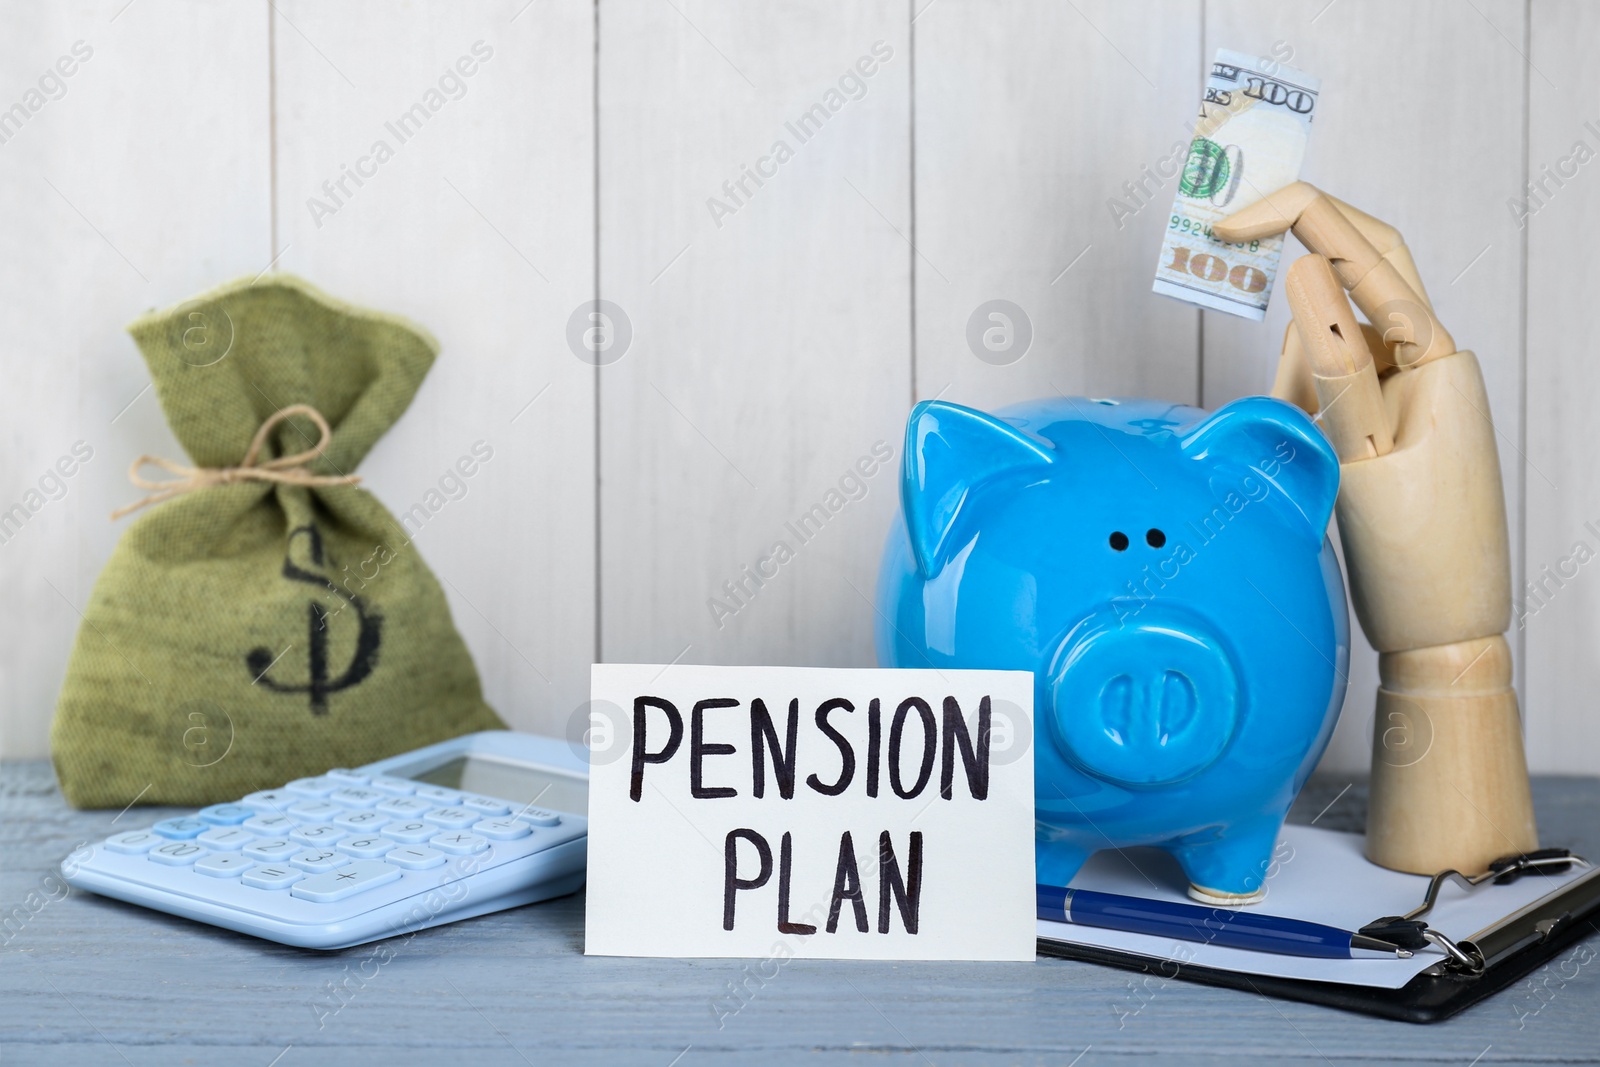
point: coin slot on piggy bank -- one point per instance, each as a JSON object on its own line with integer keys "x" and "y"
{"x": 1166, "y": 576}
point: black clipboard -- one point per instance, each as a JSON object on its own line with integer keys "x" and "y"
{"x": 1510, "y": 949}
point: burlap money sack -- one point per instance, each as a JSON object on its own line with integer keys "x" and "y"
{"x": 265, "y": 618}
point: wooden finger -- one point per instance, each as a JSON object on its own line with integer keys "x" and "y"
{"x": 1293, "y": 382}
{"x": 1334, "y": 344}
{"x": 1343, "y": 373}
{"x": 1389, "y": 243}
{"x": 1411, "y": 331}
{"x": 1392, "y": 247}
{"x": 1381, "y": 356}
{"x": 1273, "y": 214}
{"x": 1378, "y": 285}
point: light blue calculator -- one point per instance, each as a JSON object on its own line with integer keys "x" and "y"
{"x": 465, "y": 827}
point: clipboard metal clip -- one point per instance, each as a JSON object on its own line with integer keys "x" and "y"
{"x": 1471, "y": 962}
{"x": 1501, "y": 872}
{"x": 1410, "y": 931}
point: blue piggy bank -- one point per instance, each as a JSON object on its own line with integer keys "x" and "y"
{"x": 1166, "y": 575}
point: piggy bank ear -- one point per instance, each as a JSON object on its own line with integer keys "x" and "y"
{"x": 950, "y": 451}
{"x": 1282, "y": 445}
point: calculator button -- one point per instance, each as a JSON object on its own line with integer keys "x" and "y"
{"x": 275, "y": 876}
{"x": 177, "y": 853}
{"x": 315, "y": 809}
{"x": 322, "y": 833}
{"x": 270, "y": 800}
{"x": 317, "y": 860}
{"x": 279, "y": 848}
{"x": 409, "y": 833}
{"x": 485, "y": 805}
{"x": 270, "y": 825}
{"x": 539, "y": 817}
{"x": 406, "y": 806}
{"x": 437, "y": 793}
{"x": 225, "y": 865}
{"x": 362, "y": 820}
{"x": 365, "y": 848}
{"x": 311, "y": 787}
{"x": 226, "y": 838}
{"x": 345, "y": 882}
{"x": 225, "y": 814}
{"x": 134, "y": 842}
{"x": 356, "y": 797}
{"x": 348, "y": 777}
{"x": 180, "y": 829}
{"x": 395, "y": 787}
{"x": 452, "y": 818}
{"x": 502, "y": 829}
{"x": 415, "y": 857}
{"x": 459, "y": 843}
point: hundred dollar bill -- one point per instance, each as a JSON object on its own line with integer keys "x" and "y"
{"x": 1255, "y": 120}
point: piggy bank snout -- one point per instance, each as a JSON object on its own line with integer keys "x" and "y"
{"x": 1143, "y": 702}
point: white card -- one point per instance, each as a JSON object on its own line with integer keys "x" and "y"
{"x": 831, "y": 849}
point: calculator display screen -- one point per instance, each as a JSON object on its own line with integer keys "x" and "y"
{"x": 515, "y": 782}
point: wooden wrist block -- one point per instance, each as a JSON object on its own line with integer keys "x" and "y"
{"x": 1424, "y": 534}
{"x": 1449, "y": 778}
{"x": 1424, "y": 527}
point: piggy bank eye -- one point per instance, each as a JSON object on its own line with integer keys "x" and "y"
{"x": 1119, "y": 540}
{"x": 1154, "y": 538}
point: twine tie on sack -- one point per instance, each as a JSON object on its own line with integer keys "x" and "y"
{"x": 286, "y": 470}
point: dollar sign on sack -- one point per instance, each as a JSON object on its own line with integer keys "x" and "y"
{"x": 370, "y": 635}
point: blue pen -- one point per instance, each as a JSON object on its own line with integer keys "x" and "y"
{"x": 1214, "y": 926}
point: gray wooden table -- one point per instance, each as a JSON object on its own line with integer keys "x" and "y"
{"x": 89, "y": 980}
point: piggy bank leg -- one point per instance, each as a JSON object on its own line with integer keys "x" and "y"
{"x": 1056, "y": 861}
{"x": 1231, "y": 869}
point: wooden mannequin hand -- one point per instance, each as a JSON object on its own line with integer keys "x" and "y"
{"x": 1423, "y": 525}
{"x": 1422, "y": 512}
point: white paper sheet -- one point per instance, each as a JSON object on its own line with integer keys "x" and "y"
{"x": 1318, "y": 875}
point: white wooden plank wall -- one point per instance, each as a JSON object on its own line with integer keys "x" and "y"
{"x": 765, "y": 334}
{"x": 1027, "y": 124}
{"x": 771, "y": 340}
{"x": 1561, "y": 627}
{"x": 481, "y": 227}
